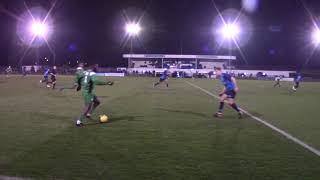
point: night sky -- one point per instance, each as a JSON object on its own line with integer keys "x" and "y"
{"x": 93, "y": 31}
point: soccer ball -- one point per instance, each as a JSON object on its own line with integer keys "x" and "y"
{"x": 103, "y": 118}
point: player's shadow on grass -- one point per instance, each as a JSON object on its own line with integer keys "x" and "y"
{"x": 113, "y": 120}
{"x": 121, "y": 118}
{"x": 104, "y": 96}
{"x": 233, "y": 115}
{"x": 246, "y": 116}
{"x": 185, "y": 112}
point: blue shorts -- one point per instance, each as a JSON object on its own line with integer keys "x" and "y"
{"x": 162, "y": 79}
{"x": 231, "y": 94}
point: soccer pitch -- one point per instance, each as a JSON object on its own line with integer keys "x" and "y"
{"x": 158, "y": 133}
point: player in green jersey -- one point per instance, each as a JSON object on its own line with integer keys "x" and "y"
{"x": 87, "y": 83}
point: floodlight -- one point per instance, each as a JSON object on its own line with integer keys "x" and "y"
{"x": 316, "y": 36}
{"x": 230, "y": 31}
{"x": 133, "y": 29}
{"x": 39, "y": 29}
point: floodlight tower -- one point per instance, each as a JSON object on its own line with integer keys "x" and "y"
{"x": 316, "y": 37}
{"x": 229, "y": 32}
{"x": 133, "y": 30}
{"x": 39, "y": 29}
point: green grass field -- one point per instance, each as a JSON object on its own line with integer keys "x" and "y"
{"x": 157, "y": 133}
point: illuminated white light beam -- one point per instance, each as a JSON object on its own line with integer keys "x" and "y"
{"x": 230, "y": 31}
{"x": 316, "y": 37}
{"x": 133, "y": 29}
{"x": 39, "y": 29}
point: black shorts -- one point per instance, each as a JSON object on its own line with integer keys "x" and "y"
{"x": 231, "y": 94}
{"x": 53, "y": 78}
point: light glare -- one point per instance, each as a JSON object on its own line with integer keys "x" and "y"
{"x": 316, "y": 37}
{"x": 230, "y": 31}
{"x": 38, "y": 29}
{"x": 133, "y": 29}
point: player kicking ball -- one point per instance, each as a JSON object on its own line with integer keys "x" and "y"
{"x": 163, "y": 79}
{"x": 228, "y": 94}
{"x": 87, "y": 84}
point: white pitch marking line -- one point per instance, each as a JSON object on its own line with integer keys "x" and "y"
{"x": 280, "y": 131}
{"x": 13, "y": 178}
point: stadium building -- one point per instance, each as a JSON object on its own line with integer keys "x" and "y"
{"x": 188, "y": 65}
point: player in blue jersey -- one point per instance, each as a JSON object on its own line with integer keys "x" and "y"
{"x": 297, "y": 81}
{"x": 229, "y": 92}
{"x": 45, "y": 76}
{"x": 163, "y": 79}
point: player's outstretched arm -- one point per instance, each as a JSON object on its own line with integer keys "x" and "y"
{"x": 101, "y": 83}
{"x": 223, "y": 91}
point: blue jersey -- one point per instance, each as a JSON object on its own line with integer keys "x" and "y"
{"x": 46, "y": 73}
{"x": 227, "y": 82}
{"x": 164, "y": 75}
{"x": 298, "y": 78}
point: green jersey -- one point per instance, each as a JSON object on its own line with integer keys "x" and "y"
{"x": 89, "y": 80}
{"x": 79, "y": 76}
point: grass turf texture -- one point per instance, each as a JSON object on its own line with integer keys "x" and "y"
{"x": 157, "y": 133}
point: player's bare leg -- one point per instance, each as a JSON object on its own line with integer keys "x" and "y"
{"x": 234, "y": 106}
{"x": 296, "y": 86}
{"x": 54, "y": 85}
{"x": 223, "y": 97}
{"x": 156, "y": 84}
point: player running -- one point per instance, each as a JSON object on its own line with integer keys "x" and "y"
{"x": 45, "y": 76}
{"x": 53, "y": 73}
{"x": 229, "y": 92}
{"x": 163, "y": 79}
{"x": 24, "y": 71}
{"x": 277, "y": 79}
{"x": 8, "y": 71}
{"x": 297, "y": 81}
{"x": 87, "y": 83}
